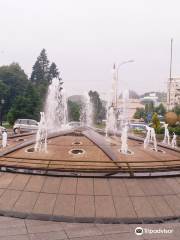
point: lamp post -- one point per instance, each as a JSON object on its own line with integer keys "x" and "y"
{"x": 1, "y": 110}
{"x": 117, "y": 74}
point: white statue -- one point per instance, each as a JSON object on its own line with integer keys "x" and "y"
{"x": 174, "y": 143}
{"x": 41, "y": 136}
{"x": 4, "y": 138}
{"x": 124, "y": 145}
{"x": 166, "y": 139}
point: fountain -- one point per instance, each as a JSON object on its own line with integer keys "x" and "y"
{"x": 4, "y": 138}
{"x": 174, "y": 141}
{"x": 124, "y": 145}
{"x": 56, "y": 106}
{"x": 110, "y": 121}
{"x": 150, "y": 137}
{"x": 41, "y": 136}
{"x": 166, "y": 139}
{"x": 86, "y": 115}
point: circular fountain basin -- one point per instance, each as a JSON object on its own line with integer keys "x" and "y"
{"x": 30, "y": 150}
{"x": 20, "y": 140}
{"x": 129, "y": 152}
{"x": 77, "y": 143}
{"x": 158, "y": 150}
{"x": 77, "y": 152}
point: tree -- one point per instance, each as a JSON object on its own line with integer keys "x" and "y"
{"x": 40, "y": 72}
{"x": 161, "y": 110}
{"x": 25, "y": 106}
{"x": 73, "y": 111}
{"x": 140, "y": 113}
{"x": 13, "y": 83}
{"x": 53, "y": 72}
{"x": 155, "y": 121}
{"x": 177, "y": 109}
{"x": 98, "y": 108}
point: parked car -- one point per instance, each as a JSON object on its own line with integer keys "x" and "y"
{"x": 73, "y": 124}
{"x": 25, "y": 125}
{"x": 138, "y": 126}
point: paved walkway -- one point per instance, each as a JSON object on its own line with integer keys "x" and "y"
{"x": 20, "y": 229}
{"x": 88, "y": 199}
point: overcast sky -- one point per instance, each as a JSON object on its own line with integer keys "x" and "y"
{"x": 85, "y": 37}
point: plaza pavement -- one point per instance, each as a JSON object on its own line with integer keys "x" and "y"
{"x": 96, "y": 200}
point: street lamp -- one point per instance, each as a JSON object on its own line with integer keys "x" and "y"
{"x": 117, "y": 74}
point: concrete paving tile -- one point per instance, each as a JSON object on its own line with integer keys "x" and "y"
{"x": 104, "y": 207}
{"x": 162, "y": 187}
{"x": 1, "y": 191}
{"x": 101, "y": 187}
{"x": 44, "y": 204}
{"x": 35, "y": 183}
{"x": 143, "y": 207}
{"x": 13, "y": 231}
{"x": 84, "y": 206}
{"x": 133, "y": 187}
{"x": 6, "y": 179}
{"x": 68, "y": 185}
{"x": 12, "y": 223}
{"x": 44, "y": 226}
{"x": 19, "y": 182}
{"x": 64, "y": 205}
{"x": 148, "y": 187}
{"x": 48, "y": 236}
{"x": 51, "y": 185}
{"x": 160, "y": 206}
{"x": 8, "y": 199}
{"x": 118, "y": 187}
{"x": 85, "y": 186}
{"x": 174, "y": 203}
{"x": 26, "y": 202}
{"x": 90, "y": 238}
{"x": 122, "y": 236}
{"x": 81, "y": 230}
{"x": 174, "y": 184}
{"x": 124, "y": 207}
{"x": 113, "y": 228}
{"x": 15, "y": 237}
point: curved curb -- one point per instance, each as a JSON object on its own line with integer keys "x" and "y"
{"x": 74, "y": 219}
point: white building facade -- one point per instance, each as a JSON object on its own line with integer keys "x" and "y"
{"x": 173, "y": 93}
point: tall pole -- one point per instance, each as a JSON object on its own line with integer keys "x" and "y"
{"x": 170, "y": 74}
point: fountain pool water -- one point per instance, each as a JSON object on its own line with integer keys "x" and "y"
{"x": 56, "y": 106}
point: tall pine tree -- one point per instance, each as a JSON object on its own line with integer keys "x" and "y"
{"x": 40, "y": 72}
{"x": 53, "y": 72}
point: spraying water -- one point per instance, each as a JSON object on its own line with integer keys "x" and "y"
{"x": 150, "y": 137}
{"x": 86, "y": 115}
{"x": 174, "y": 141}
{"x": 166, "y": 139}
{"x": 4, "y": 138}
{"x": 56, "y": 106}
{"x": 124, "y": 136}
{"x": 41, "y": 136}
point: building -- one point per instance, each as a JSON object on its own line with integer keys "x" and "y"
{"x": 132, "y": 105}
{"x": 150, "y": 98}
{"x": 173, "y": 92}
